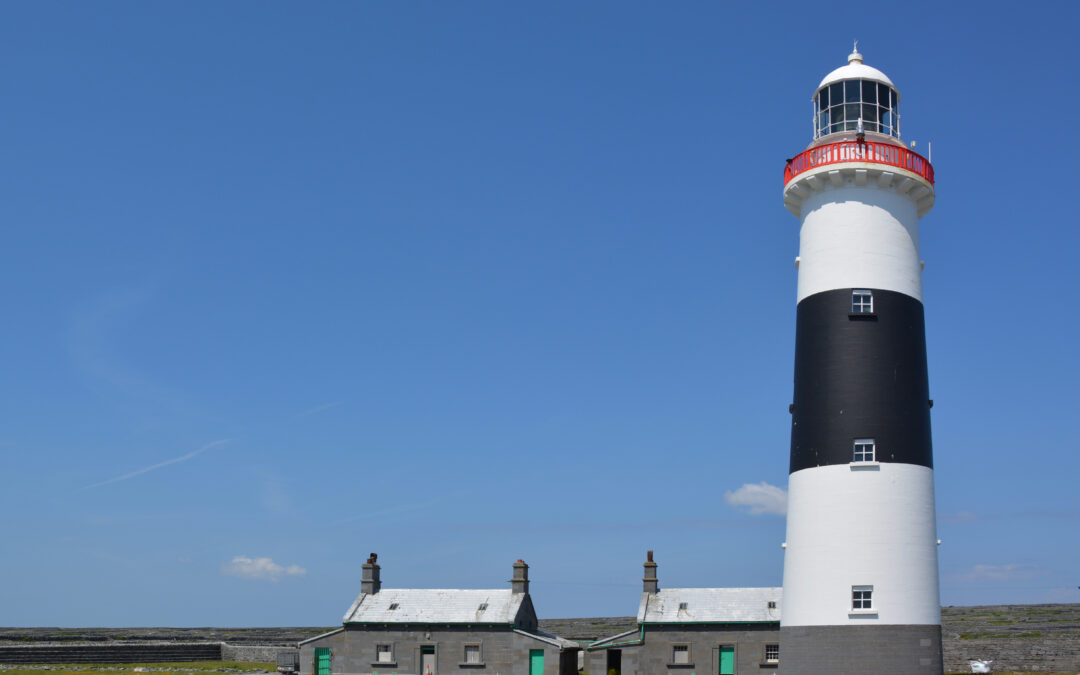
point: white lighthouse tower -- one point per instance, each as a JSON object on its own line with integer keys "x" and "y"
{"x": 860, "y": 562}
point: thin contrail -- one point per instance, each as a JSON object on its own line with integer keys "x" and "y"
{"x": 174, "y": 460}
{"x": 317, "y": 409}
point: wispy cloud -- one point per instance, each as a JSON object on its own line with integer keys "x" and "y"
{"x": 401, "y": 508}
{"x": 317, "y": 409}
{"x": 1010, "y": 572}
{"x": 262, "y": 569}
{"x": 759, "y": 498}
{"x": 959, "y": 517}
{"x": 174, "y": 460}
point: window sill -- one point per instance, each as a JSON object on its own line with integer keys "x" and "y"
{"x": 865, "y": 466}
{"x": 384, "y": 664}
{"x": 680, "y": 665}
{"x": 481, "y": 664}
{"x": 862, "y": 613}
{"x": 769, "y": 664}
{"x": 862, "y": 316}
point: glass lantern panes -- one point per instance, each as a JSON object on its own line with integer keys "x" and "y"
{"x": 839, "y": 106}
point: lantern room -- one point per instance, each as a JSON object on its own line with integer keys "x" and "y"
{"x": 856, "y": 98}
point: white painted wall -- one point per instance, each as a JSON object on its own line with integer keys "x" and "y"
{"x": 868, "y": 526}
{"x": 859, "y": 237}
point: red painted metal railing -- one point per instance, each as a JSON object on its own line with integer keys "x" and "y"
{"x": 854, "y": 151}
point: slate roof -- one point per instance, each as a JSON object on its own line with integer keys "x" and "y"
{"x": 548, "y": 638}
{"x": 435, "y": 605}
{"x": 710, "y": 605}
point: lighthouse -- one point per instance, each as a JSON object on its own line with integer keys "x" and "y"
{"x": 860, "y": 559}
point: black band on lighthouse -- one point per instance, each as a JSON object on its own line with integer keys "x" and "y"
{"x": 860, "y": 376}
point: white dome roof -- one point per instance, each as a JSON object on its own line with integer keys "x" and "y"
{"x": 856, "y": 70}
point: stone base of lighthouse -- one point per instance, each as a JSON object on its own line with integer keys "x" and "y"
{"x": 860, "y": 650}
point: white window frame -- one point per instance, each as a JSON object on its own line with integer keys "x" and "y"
{"x": 859, "y": 454}
{"x": 681, "y": 649}
{"x": 862, "y": 600}
{"x": 775, "y": 648}
{"x": 479, "y": 654}
{"x": 862, "y": 295}
{"x": 389, "y": 651}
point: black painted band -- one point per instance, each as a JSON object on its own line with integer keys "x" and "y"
{"x": 860, "y": 376}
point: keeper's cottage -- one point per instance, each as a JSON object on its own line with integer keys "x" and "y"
{"x": 438, "y": 631}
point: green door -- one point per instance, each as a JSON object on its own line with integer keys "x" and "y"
{"x": 322, "y": 661}
{"x": 536, "y": 662}
{"x": 727, "y": 661}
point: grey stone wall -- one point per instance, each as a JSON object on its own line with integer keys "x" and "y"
{"x": 502, "y": 651}
{"x": 252, "y": 653}
{"x": 144, "y": 652}
{"x": 856, "y": 650}
{"x": 654, "y": 655}
{"x": 1060, "y": 655}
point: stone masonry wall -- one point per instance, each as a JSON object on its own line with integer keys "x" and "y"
{"x": 502, "y": 651}
{"x": 252, "y": 653}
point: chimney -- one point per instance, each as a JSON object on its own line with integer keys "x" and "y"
{"x": 370, "y": 583}
{"x": 520, "y": 582}
{"x": 652, "y": 584}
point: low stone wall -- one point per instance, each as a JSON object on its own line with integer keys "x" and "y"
{"x": 253, "y": 653}
{"x": 146, "y": 652}
{"x": 1038, "y": 655}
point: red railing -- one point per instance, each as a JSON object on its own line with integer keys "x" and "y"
{"x": 854, "y": 151}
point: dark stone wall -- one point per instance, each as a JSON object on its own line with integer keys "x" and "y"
{"x": 858, "y": 650}
{"x": 106, "y": 653}
{"x": 654, "y": 655}
{"x": 503, "y": 651}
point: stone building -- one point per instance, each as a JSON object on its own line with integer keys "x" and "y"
{"x": 686, "y": 631}
{"x": 416, "y": 631}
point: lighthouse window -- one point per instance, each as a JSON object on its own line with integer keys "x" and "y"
{"x": 862, "y": 302}
{"x": 864, "y": 450}
{"x": 861, "y": 597}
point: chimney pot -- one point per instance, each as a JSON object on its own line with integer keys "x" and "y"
{"x": 520, "y": 582}
{"x": 651, "y": 583}
{"x": 369, "y": 580}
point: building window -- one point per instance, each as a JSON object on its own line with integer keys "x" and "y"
{"x": 862, "y": 302}
{"x": 680, "y": 654}
{"x": 384, "y": 653}
{"x": 472, "y": 654}
{"x": 864, "y": 450}
{"x": 772, "y": 653}
{"x": 862, "y": 598}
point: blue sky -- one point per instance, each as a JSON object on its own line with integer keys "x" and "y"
{"x": 462, "y": 283}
